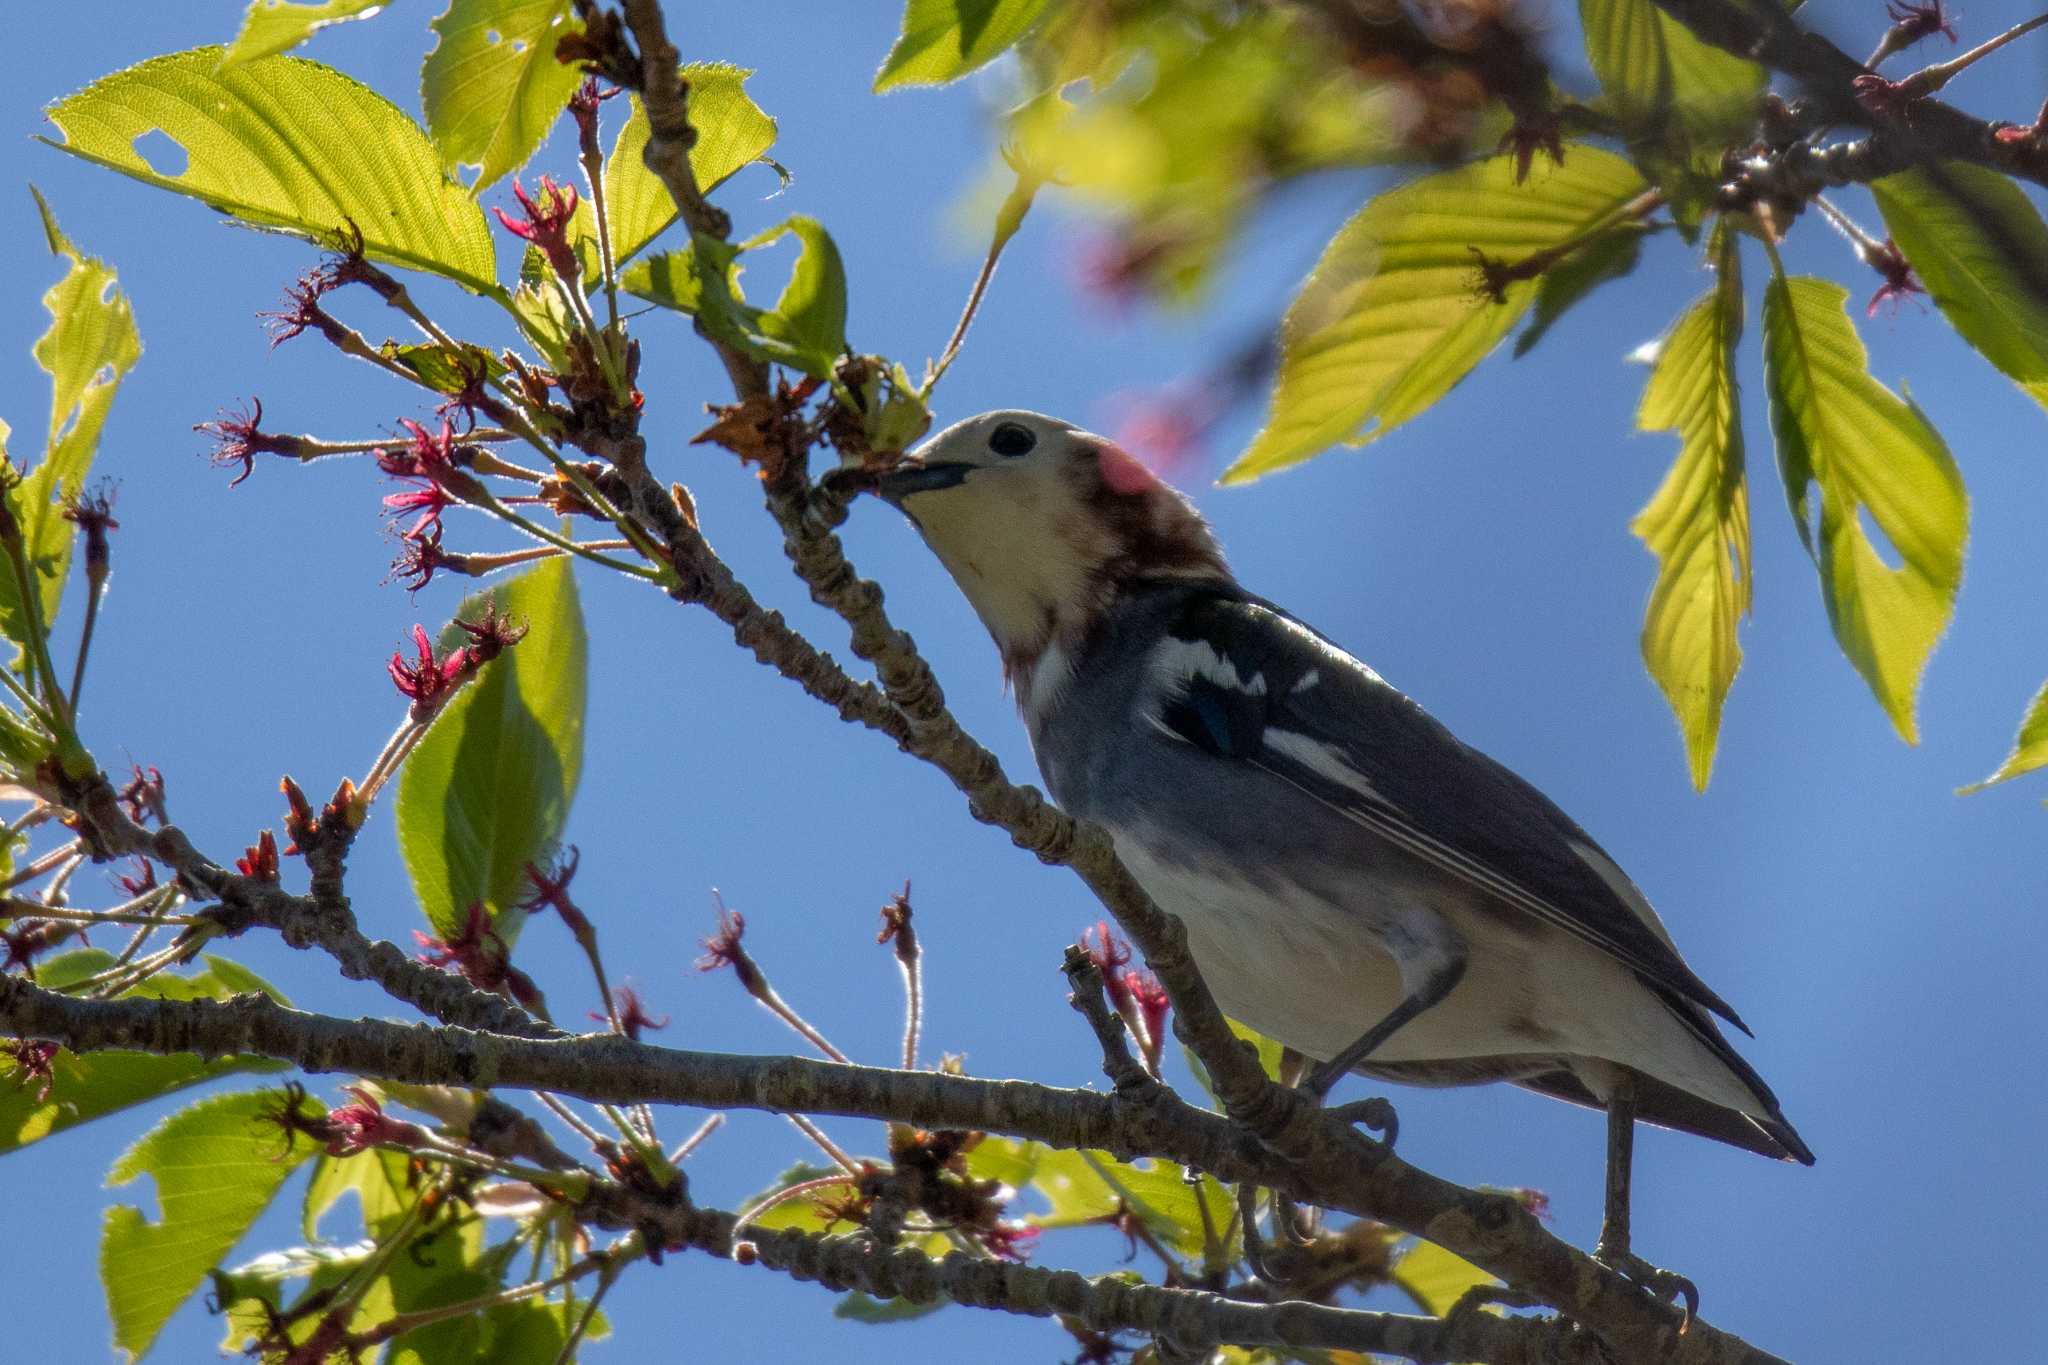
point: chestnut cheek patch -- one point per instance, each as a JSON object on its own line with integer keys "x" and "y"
{"x": 1121, "y": 472}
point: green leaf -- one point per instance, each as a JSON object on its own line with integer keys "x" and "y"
{"x": 91, "y": 344}
{"x": 1870, "y": 453}
{"x": 806, "y": 330}
{"x": 2029, "y": 749}
{"x": 1978, "y": 244}
{"x": 1082, "y": 1187}
{"x": 1680, "y": 101}
{"x": 447, "y": 369}
{"x": 285, "y": 143}
{"x": 1697, "y": 523}
{"x": 1436, "y": 1279}
{"x": 943, "y": 40}
{"x": 217, "y": 1166}
{"x": 381, "y": 1182}
{"x": 1608, "y": 257}
{"x": 86, "y": 1086}
{"x": 1395, "y": 313}
{"x": 732, "y": 132}
{"x": 488, "y": 789}
{"x": 491, "y": 87}
{"x": 273, "y": 26}
{"x": 858, "y": 1307}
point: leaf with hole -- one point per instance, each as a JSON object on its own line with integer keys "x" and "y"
{"x": 488, "y": 790}
{"x": 1697, "y": 523}
{"x": 1397, "y": 311}
{"x": 216, "y": 1165}
{"x": 491, "y": 87}
{"x": 1871, "y": 455}
{"x": 285, "y": 143}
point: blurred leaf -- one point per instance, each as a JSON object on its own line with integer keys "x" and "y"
{"x": 804, "y": 1211}
{"x": 286, "y": 143}
{"x": 1873, "y": 455}
{"x": 1395, "y": 313}
{"x": 858, "y": 1307}
{"x": 2029, "y": 749}
{"x": 1611, "y": 256}
{"x": 732, "y": 132}
{"x": 90, "y": 345}
{"x": 1436, "y": 1279}
{"x": 491, "y": 86}
{"x": 380, "y": 1182}
{"x": 943, "y": 40}
{"x": 1697, "y": 523}
{"x": 446, "y": 369}
{"x": 1082, "y": 1187}
{"x": 273, "y": 26}
{"x": 806, "y": 330}
{"x": 217, "y": 1166}
{"x": 85, "y": 1086}
{"x": 488, "y": 789}
{"x": 1978, "y": 244}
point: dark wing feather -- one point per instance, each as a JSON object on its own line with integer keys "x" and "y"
{"x": 1427, "y": 792}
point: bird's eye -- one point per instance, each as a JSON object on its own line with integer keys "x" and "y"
{"x": 1012, "y": 440}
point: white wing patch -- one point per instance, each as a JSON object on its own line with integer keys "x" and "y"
{"x": 1321, "y": 759}
{"x": 1175, "y": 661}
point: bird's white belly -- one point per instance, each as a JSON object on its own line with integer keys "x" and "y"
{"x": 1316, "y": 976}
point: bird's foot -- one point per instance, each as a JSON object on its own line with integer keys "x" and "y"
{"x": 1376, "y": 1113}
{"x": 1668, "y": 1285}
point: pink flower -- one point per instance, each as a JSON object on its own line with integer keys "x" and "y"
{"x": 546, "y": 224}
{"x": 360, "y": 1126}
{"x": 427, "y": 681}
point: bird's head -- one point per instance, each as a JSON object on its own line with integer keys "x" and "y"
{"x": 1043, "y": 524}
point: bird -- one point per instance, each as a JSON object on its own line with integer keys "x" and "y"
{"x": 1355, "y": 881}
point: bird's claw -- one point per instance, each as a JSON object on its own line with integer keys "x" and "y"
{"x": 1668, "y": 1285}
{"x": 1376, "y": 1113}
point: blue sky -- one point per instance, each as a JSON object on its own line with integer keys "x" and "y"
{"x": 1873, "y": 928}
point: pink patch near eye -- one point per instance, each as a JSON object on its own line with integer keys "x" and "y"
{"x": 1121, "y": 471}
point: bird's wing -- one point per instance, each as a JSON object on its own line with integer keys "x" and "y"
{"x": 1246, "y": 682}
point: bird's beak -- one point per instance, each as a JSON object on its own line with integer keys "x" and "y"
{"x": 915, "y": 476}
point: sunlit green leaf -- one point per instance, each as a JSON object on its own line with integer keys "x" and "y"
{"x": 1978, "y": 244}
{"x": 732, "y": 132}
{"x": 1082, "y": 1187}
{"x": 380, "y": 1181}
{"x": 1871, "y": 455}
{"x": 85, "y": 1086}
{"x": 246, "y": 1294}
{"x": 91, "y": 344}
{"x": 491, "y": 87}
{"x": 943, "y": 40}
{"x": 1396, "y": 312}
{"x": 2029, "y": 748}
{"x": 447, "y": 369}
{"x": 806, "y": 329}
{"x": 273, "y": 26}
{"x": 488, "y": 789}
{"x": 284, "y": 143}
{"x": 1436, "y": 1279}
{"x": 1697, "y": 523}
{"x": 1613, "y": 256}
{"x": 217, "y": 1166}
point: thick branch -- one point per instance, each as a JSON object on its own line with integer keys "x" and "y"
{"x": 1928, "y": 130}
{"x": 1492, "y": 1230}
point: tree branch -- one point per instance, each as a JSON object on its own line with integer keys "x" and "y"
{"x": 1491, "y": 1230}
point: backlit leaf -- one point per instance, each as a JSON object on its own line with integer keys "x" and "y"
{"x": 943, "y": 40}
{"x": 491, "y": 86}
{"x": 1610, "y": 257}
{"x": 1697, "y": 523}
{"x": 1396, "y": 312}
{"x": 1870, "y": 454}
{"x": 1978, "y": 244}
{"x": 488, "y": 789}
{"x": 1436, "y": 1279}
{"x": 216, "y": 1165}
{"x": 2029, "y": 749}
{"x": 285, "y": 143}
{"x": 806, "y": 329}
{"x": 86, "y": 1086}
{"x": 273, "y": 26}
{"x": 732, "y": 132}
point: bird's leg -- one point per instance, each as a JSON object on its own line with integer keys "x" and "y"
{"x": 1613, "y": 1247}
{"x": 1441, "y": 976}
